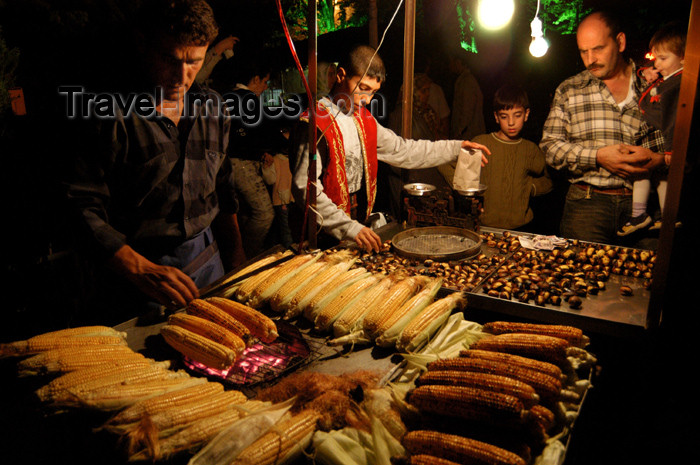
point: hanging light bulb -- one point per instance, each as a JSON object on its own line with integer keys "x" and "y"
{"x": 539, "y": 45}
{"x": 494, "y": 14}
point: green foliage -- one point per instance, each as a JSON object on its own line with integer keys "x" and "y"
{"x": 9, "y": 59}
{"x": 562, "y": 16}
{"x": 350, "y": 14}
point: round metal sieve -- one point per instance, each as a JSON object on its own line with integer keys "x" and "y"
{"x": 437, "y": 243}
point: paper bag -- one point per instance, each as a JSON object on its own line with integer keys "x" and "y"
{"x": 467, "y": 171}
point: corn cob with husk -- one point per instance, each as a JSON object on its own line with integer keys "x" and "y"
{"x": 330, "y": 291}
{"x": 196, "y": 433}
{"x": 246, "y": 287}
{"x": 209, "y": 330}
{"x": 66, "y": 387}
{"x": 497, "y": 383}
{"x": 516, "y": 360}
{"x": 259, "y": 325}
{"x": 352, "y": 303}
{"x": 209, "y": 311}
{"x": 572, "y": 334}
{"x": 428, "y": 321}
{"x": 73, "y": 358}
{"x": 282, "y": 273}
{"x": 546, "y": 348}
{"x": 199, "y": 348}
{"x": 161, "y": 403}
{"x": 458, "y": 449}
{"x": 228, "y": 291}
{"x": 391, "y": 329}
{"x": 468, "y": 403}
{"x": 282, "y": 443}
{"x": 120, "y": 396}
{"x": 291, "y": 306}
{"x": 546, "y": 386}
{"x": 56, "y": 340}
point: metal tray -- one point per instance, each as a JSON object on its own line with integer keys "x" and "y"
{"x": 437, "y": 243}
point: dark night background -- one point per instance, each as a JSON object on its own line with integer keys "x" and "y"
{"x": 637, "y": 411}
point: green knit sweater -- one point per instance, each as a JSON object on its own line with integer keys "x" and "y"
{"x": 516, "y": 171}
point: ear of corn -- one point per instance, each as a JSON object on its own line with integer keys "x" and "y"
{"x": 165, "y": 401}
{"x": 252, "y": 267}
{"x": 486, "y": 381}
{"x": 119, "y": 396}
{"x": 282, "y": 442}
{"x": 42, "y": 344}
{"x": 345, "y": 311}
{"x": 543, "y": 416}
{"x": 468, "y": 403}
{"x": 381, "y": 317}
{"x": 208, "y": 311}
{"x": 259, "y": 325}
{"x": 198, "y": 347}
{"x": 517, "y": 360}
{"x": 423, "y": 459}
{"x": 428, "y": 321}
{"x": 283, "y": 272}
{"x": 74, "y": 358}
{"x": 457, "y": 448}
{"x": 546, "y": 386}
{"x": 209, "y": 330}
{"x": 245, "y": 288}
{"x": 390, "y": 329}
{"x": 570, "y": 333}
{"x": 281, "y": 297}
{"x": 294, "y": 307}
{"x": 546, "y": 348}
{"x": 330, "y": 290}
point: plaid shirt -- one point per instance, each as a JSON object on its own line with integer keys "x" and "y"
{"x": 585, "y": 117}
{"x": 150, "y": 184}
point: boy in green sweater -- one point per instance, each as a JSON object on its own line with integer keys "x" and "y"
{"x": 516, "y": 170}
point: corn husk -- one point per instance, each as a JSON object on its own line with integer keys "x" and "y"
{"x": 313, "y": 307}
{"x": 229, "y": 290}
{"x": 282, "y": 273}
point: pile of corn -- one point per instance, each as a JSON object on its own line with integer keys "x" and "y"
{"x": 215, "y": 331}
{"x": 348, "y": 301}
{"x": 500, "y": 399}
{"x": 155, "y": 412}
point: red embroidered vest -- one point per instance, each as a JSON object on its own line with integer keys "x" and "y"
{"x": 334, "y": 178}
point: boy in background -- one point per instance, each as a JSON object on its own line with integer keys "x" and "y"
{"x": 658, "y": 104}
{"x": 516, "y": 170}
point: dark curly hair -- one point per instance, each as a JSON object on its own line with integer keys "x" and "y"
{"x": 188, "y": 22}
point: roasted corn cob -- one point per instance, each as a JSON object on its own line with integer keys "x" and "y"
{"x": 300, "y": 298}
{"x": 252, "y": 267}
{"x": 336, "y": 306}
{"x": 259, "y": 325}
{"x": 543, "y": 416}
{"x": 516, "y": 360}
{"x": 350, "y": 316}
{"x": 423, "y": 459}
{"x": 209, "y": 311}
{"x": 572, "y": 334}
{"x": 245, "y": 288}
{"x": 486, "y": 381}
{"x": 282, "y": 442}
{"x": 546, "y": 386}
{"x": 163, "y": 402}
{"x": 381, "y": 317}
{"x": 469, "y": 403}
{"x": 209, "y": 330}
{"x": 424, "y": 325}
{"x": 546, "y": 348}
{"x": 283, "y": 295}
{"x": 198, "y": 347}
{"x": 457, "y": 448}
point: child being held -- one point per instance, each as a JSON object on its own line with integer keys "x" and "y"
{"x": 516, "y": 169}
{"x": 658, "y": 104}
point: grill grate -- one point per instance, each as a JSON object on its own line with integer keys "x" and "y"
{"x": 437, "y": 243}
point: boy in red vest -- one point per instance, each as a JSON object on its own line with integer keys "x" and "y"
{"x": 350, "y": 144}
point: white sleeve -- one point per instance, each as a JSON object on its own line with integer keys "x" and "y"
{"x": 414, "y": 154}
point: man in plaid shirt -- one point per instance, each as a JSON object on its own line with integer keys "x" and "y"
{"x": 149, "y": 188}
{"x": 592, "y": 130}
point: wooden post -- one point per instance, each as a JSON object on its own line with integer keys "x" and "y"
{"x": 681, "y": 134}
{"x": 373, "y": 27}
{"x": 408, "y": 48}
{"x": 311, "y": 224}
